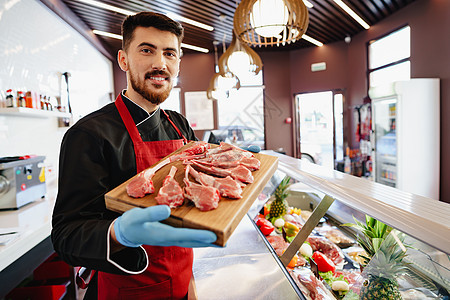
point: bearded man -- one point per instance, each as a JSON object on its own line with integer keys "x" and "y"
{"x": 133, "y": 256}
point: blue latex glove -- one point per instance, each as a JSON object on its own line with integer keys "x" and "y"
{"x": 140, "y": 226}
{"x": 252, "y": 148}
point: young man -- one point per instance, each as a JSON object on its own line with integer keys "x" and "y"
{"x": 135, "y": 256}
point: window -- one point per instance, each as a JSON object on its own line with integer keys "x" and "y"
{"x": 389, "y": 57}
{"x": 241, "y": 115}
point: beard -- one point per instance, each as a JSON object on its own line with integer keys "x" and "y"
{"x": 154, "y": 97}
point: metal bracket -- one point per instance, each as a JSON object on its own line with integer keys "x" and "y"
{"x": 306, "y": 230}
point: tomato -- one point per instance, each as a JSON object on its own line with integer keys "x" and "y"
{"x": 324, "y": 264}
{"x": 265, "y": 226}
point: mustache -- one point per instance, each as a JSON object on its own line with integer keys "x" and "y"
{"x": 156, "y": 72}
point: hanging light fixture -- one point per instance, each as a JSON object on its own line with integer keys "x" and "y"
{"x": 219, "y": 86}
{"x": 270, "y": 22}
{"x": 239, "y": 59}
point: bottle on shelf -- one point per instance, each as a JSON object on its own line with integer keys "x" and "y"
{"x": 28, "y": 100}
{"x": 10, "y": 101}
{"x": 20, "y": 99}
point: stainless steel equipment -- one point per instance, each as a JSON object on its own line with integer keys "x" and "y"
{"x": 22, "y": 180}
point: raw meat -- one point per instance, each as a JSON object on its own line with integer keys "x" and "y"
{"x": 223, "y": 161}
{"x": 240, "y": 172}
{"x": 327, "y": 247}
{"x": 278, "y": 243}
{"x": 310, "y": 285}
{"x": 142, "y": 184}
{"x": 204, "y": 197}
{"x": 192, "y": 152}
{"x": 228, "y": 187}
{"x": 170, "y": 193}
{"x": 227, "y": 147}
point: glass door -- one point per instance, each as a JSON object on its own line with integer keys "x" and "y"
{"x": 319, "y": 130}
{"x": 384, "y": 120}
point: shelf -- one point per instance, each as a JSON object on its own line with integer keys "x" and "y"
{"x": 387, "y": 180}
{"x": 31, "y": 112}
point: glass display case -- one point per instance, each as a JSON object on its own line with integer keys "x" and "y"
{"x": 411, "y": 261}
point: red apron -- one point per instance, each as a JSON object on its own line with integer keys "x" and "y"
{"x": 170, "y": 268}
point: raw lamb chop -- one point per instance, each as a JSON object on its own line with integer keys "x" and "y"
{"x": 170, "y": 193}
{"x": 240, "y": 172}
{"x": 142, "y": 184}
{"x": 204, "y": 197}
{"x": 193, "y": 151}
{"x": 251, "y": 163}
{"x": 228, "y": 187}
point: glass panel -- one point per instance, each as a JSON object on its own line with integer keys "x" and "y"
{"x": 397, "y": 72}
{"x": 399, "y": 265}
{"x": 385, "y": 141}
{"x": 339, "y": 126}
{"x": 391, "y": 48}
{"x": 241, "y": 117}
{"x": 316, "y": 127}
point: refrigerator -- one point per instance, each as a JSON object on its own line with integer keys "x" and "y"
{"x": 406, "y": 135}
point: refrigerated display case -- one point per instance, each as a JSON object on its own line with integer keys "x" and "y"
{"x": 250, "y": 267}
{"x": 406, "y": 135}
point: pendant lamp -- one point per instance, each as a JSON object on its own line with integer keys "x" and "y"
{"x": 219, "y": 85}
{"x": 270, "y": 22}
{"x": 238, "y": 59}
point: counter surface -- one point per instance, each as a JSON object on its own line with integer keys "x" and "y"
{"x": 33, "y": 222}
{"x": 244, "y": 269}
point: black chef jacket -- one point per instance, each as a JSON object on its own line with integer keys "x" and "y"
{"x": 96, "y": 156}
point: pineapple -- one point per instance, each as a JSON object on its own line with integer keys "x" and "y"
{"x": 279, "y": 206}
{"x": 385, "y": 257}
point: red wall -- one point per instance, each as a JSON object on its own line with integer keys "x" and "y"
{"x": 277, "y": 101}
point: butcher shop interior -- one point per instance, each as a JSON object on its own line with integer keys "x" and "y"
{"x": 224, "y": 149}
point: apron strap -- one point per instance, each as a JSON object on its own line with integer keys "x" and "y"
{"x": 176, "y": 128}
{"x": 127, "y": 119}
{"x": 131, "y": 126}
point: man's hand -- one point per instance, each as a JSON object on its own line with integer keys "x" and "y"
{"x": 140, "y": 226}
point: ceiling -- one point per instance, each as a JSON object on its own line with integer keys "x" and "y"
{"x": 327, "y": 21}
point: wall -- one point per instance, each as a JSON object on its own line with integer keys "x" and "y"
{"x": 277, "y": 101}
{"x": 36, "y": 46}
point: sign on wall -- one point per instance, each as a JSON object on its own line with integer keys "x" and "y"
{"x": 199, "y": 110}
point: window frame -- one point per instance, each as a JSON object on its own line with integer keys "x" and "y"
{"x": 368, "y": 43}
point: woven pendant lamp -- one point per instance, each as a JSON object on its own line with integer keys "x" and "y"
{"x": 270, "y": 22}
{"x": 219, "y": 85}
{"x": 239, "y": 58}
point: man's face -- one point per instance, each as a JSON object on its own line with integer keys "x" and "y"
{"x": 153, "y": 62}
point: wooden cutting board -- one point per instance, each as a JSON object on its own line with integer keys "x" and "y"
{"x": 223, "y": 220}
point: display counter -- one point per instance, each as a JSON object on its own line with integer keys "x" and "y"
{"x": 249, "y": 267}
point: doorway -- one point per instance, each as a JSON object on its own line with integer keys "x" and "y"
{"x": 319, "y": 129}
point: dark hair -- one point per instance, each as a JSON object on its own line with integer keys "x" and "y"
{"x": 149, "y": 19}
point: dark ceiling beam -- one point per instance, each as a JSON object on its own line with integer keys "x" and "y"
{"x": 59, "y": 8}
